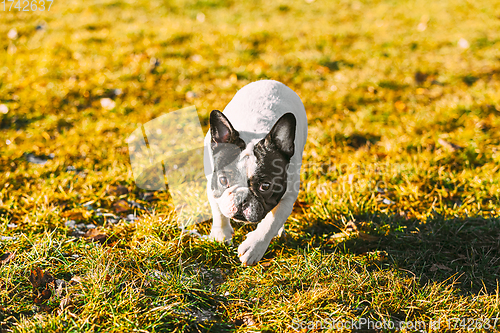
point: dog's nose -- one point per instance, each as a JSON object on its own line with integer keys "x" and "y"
{"x": 245, "y": 201}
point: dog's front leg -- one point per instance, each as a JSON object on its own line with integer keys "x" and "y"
{"x": 221, "y": 226}
{"x": 257, "y": 241}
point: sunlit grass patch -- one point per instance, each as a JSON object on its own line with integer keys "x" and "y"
{"x": 398, "y": 218}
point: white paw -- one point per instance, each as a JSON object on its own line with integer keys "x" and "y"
{"x": 221, "y": 235}
{"x": 282, "y": 232}
{"x": 252, "y": 249}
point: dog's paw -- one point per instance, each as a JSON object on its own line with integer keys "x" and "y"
{"x": 221, "y": 235}
{"x": 282, "y": 234}
{"x": 252, "y": 249}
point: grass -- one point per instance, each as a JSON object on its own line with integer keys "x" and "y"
{"x": 399, "y": 215}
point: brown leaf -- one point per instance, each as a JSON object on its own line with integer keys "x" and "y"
{"x": 60, "y": 285}
{"x": 6, "y": 257}
{"x": 449, "y": 146}
{"x": 300, "y": 206}
{"x": 75, "y": 279}
{"x": 266, "y": 263}
{"x": 45, "y": 308}
{"x": 39, "y": 279}
{"x": 77, "y": 214}
{"x": 121, "y": 206}
{"x": 421, "y": 77}
{"x": 248, "y": 320}
{"x": 435, "y": 267}
{"x": 148, "y": 196}
{"x": 367, "y": 237}
{"x": 65, "y": 302}
{"x": 96, "y": 236}
{"x": 46, "y": 293}
{"x": 117, "y": 190}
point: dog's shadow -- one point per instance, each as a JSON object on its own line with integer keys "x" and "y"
{"x": 463, "y": 251}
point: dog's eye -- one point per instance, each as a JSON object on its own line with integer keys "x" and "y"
{"x": 264, "y": 186}
{"x": 223, "y": 180}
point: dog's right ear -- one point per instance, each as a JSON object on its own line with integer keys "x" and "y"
{"x": 222, "y": 131}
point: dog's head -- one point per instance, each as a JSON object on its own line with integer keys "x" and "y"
{"x": 249, "y": 180}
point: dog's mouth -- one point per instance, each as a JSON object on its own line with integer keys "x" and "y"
{"x": 242, "y": 219}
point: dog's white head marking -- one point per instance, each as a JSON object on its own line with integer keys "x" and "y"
{"x": 247, "y": 160}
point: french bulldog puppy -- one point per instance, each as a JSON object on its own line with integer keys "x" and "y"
{"x": 253, "y": 155}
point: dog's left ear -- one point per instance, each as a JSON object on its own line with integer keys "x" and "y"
{"x": 282, "y": 135}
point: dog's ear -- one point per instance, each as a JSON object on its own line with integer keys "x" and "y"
{"x": 282, "y": 135}
{"x": 222, "y": 131}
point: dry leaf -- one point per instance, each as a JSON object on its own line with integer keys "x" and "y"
{"x": 248, "y": 319}
{"x": 45, "y": 308}
{"x": 338, "y": 237}
{"x": 6, "y": 257}
{"x": 96, "y": 235}
{"x": 148, "y": 196}
{"x": 46, "y": 293}
{"x": 435, "y": 267}
{"x": 117, "y": 190}
{"x": 421, "y": 77}
{"x": 39, "y": 279}
{"x": 65, "y": 302}
{"x": 77, "y": 214}
{"x": 367, "y": 237}
{"x": 60, "y": 285}
{"x": 449, "y": 146}
{"x": 300, "y": 206}
{"x": 265, "y": 263}
{"x": 121, "y": 206}
{"x": 75, "y": 279}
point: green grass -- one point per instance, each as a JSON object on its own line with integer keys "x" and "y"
{"x": 399, "y": 217}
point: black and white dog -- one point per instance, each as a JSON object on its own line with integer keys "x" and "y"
{"x": 255, "y": 154}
